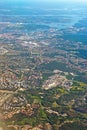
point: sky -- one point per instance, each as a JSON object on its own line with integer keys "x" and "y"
{"x": 60, "y": 0}
{"x": 47, "y": 0}
{"x": 42, "y": 2}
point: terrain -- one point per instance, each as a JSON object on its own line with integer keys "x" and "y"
{"x": 43, "y": 67}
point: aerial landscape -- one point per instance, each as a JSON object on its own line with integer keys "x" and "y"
{"x": 43, "y": 65}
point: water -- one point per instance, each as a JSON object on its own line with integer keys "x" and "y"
{"x": 58, "y": 16}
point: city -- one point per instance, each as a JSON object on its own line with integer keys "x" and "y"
{"x": 43, "y": 68}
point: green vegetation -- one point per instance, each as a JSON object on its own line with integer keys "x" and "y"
{"x": 73, "y": 126}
